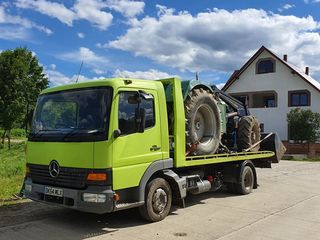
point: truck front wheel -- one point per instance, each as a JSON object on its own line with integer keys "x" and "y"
{"x": 158, "y": 198}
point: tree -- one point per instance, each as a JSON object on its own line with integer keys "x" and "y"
{"x": 21, "y": 80}
{"x": 304, "y": 125}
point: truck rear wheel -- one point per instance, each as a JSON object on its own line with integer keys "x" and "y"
{"x": 158, "y": 198}
{"x": 246, "y": 183}
{"x": 249, "y": 133}
{"x": 203, "y": 122}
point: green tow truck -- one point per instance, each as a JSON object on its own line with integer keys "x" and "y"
{"x": 107, "y": 145}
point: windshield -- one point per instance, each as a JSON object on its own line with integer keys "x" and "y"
{"x": 73, "y": 115}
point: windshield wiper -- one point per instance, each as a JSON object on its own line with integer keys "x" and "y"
{"x": 75, "y": 131}
{"x": 40, "y": 132}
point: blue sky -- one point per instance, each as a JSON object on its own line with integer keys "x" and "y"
{"x": 157, "y": 39}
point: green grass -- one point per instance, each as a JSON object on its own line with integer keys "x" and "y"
{"x": 12, "y": 169}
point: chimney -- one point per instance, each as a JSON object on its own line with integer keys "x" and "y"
{"x": 285, "y": 57}
{"x": 307, "y": 70}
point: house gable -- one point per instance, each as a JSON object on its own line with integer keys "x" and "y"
{"x": 262, "y": 53}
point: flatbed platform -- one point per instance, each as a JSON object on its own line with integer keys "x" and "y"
{"x": 226, "y": 157}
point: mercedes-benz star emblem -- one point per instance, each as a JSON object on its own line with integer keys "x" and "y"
{"x": 54, "y": 169}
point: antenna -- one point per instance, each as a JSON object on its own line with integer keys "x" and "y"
{"x": 197, "y": 76}
{"x": 79, "y": 71}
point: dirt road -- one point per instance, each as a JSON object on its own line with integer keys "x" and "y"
{"x": 285, "y": 206}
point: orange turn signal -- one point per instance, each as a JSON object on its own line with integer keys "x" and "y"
{"x": 97, "y": 177}
{"x": 116, "y": 197}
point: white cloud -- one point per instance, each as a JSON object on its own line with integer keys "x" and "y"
{"x": 97, "y": 63}
{"x": 98, "y": 71}
{"x": 286, "y": 7}
{"x": 86, "y": 55}
{"x": 57, "y": 78}
{"x": 81, "y": 10}
{"x": 220, "y": 40}
{"x": 220, "y": 85}
{"x": 11, "y": 33}
{"x": 100, "y": 45}
{"x": 53, "y": 66}
{"x": 92, "y": 11}
{"x": 6, "y": 18}
{"x": 126, "y": 7}
{"x": 81, "y": 35}
{"x": 52, "y": 9}
{"x": 312, "y": 1}
{"x": 151, "y": 74}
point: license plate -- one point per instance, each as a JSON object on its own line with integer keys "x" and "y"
{"x": 53, "y": 191}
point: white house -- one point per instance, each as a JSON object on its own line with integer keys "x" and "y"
{"x": 273, "y": 87}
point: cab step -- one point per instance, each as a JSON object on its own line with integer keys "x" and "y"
{"x": 122, "y": 206}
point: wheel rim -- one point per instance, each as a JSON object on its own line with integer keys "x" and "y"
{"x": 159, "y": 200}
{"x": 204, "y": 123}
{"x": 248, "y": 180}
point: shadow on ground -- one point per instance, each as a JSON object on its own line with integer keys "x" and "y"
{"x": 52, "y": 221}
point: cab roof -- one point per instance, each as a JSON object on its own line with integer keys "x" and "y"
{"x": 112, "y": 82}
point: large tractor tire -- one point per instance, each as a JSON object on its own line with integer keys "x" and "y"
{"x": 249, "y": 133}
{"x": 203, "y": 122}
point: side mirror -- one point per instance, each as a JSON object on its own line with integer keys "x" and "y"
{"x": 116, "y": 133}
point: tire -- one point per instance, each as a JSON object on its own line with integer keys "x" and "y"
{"x": 203, "y": 122}
{"x": 246, "y": 183}
{"x": 248, "y": 133}
{"x": 158, "y": 199}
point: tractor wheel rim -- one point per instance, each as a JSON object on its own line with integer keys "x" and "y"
{"x": 204, "y": 124}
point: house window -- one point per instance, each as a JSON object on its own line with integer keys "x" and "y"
{"x": 259, "y": 99}
{"x": 243, "y": 98}
{"x": 266, "y": 99}
{"x": 270, "y": 102}
{"x": 299, "y": 98}
{"x": 265, "y": 66}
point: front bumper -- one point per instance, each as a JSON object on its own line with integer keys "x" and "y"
{"x": 72, "y": 198}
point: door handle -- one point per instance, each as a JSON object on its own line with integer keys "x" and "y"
{"x": 154, "y": 148}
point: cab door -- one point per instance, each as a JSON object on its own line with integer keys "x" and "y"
{"x": 134, "y": 150}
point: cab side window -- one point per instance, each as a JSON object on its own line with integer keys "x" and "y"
{"x": 130, "y": 109}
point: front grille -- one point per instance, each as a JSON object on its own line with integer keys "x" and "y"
{"x": 68, "y": 177}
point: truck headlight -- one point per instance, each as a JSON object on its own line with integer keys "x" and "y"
{"x": 93, "y": 197}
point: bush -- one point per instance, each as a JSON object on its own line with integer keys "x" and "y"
{"x": 16, "y": 132}
{"x": 304, "y": 125}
